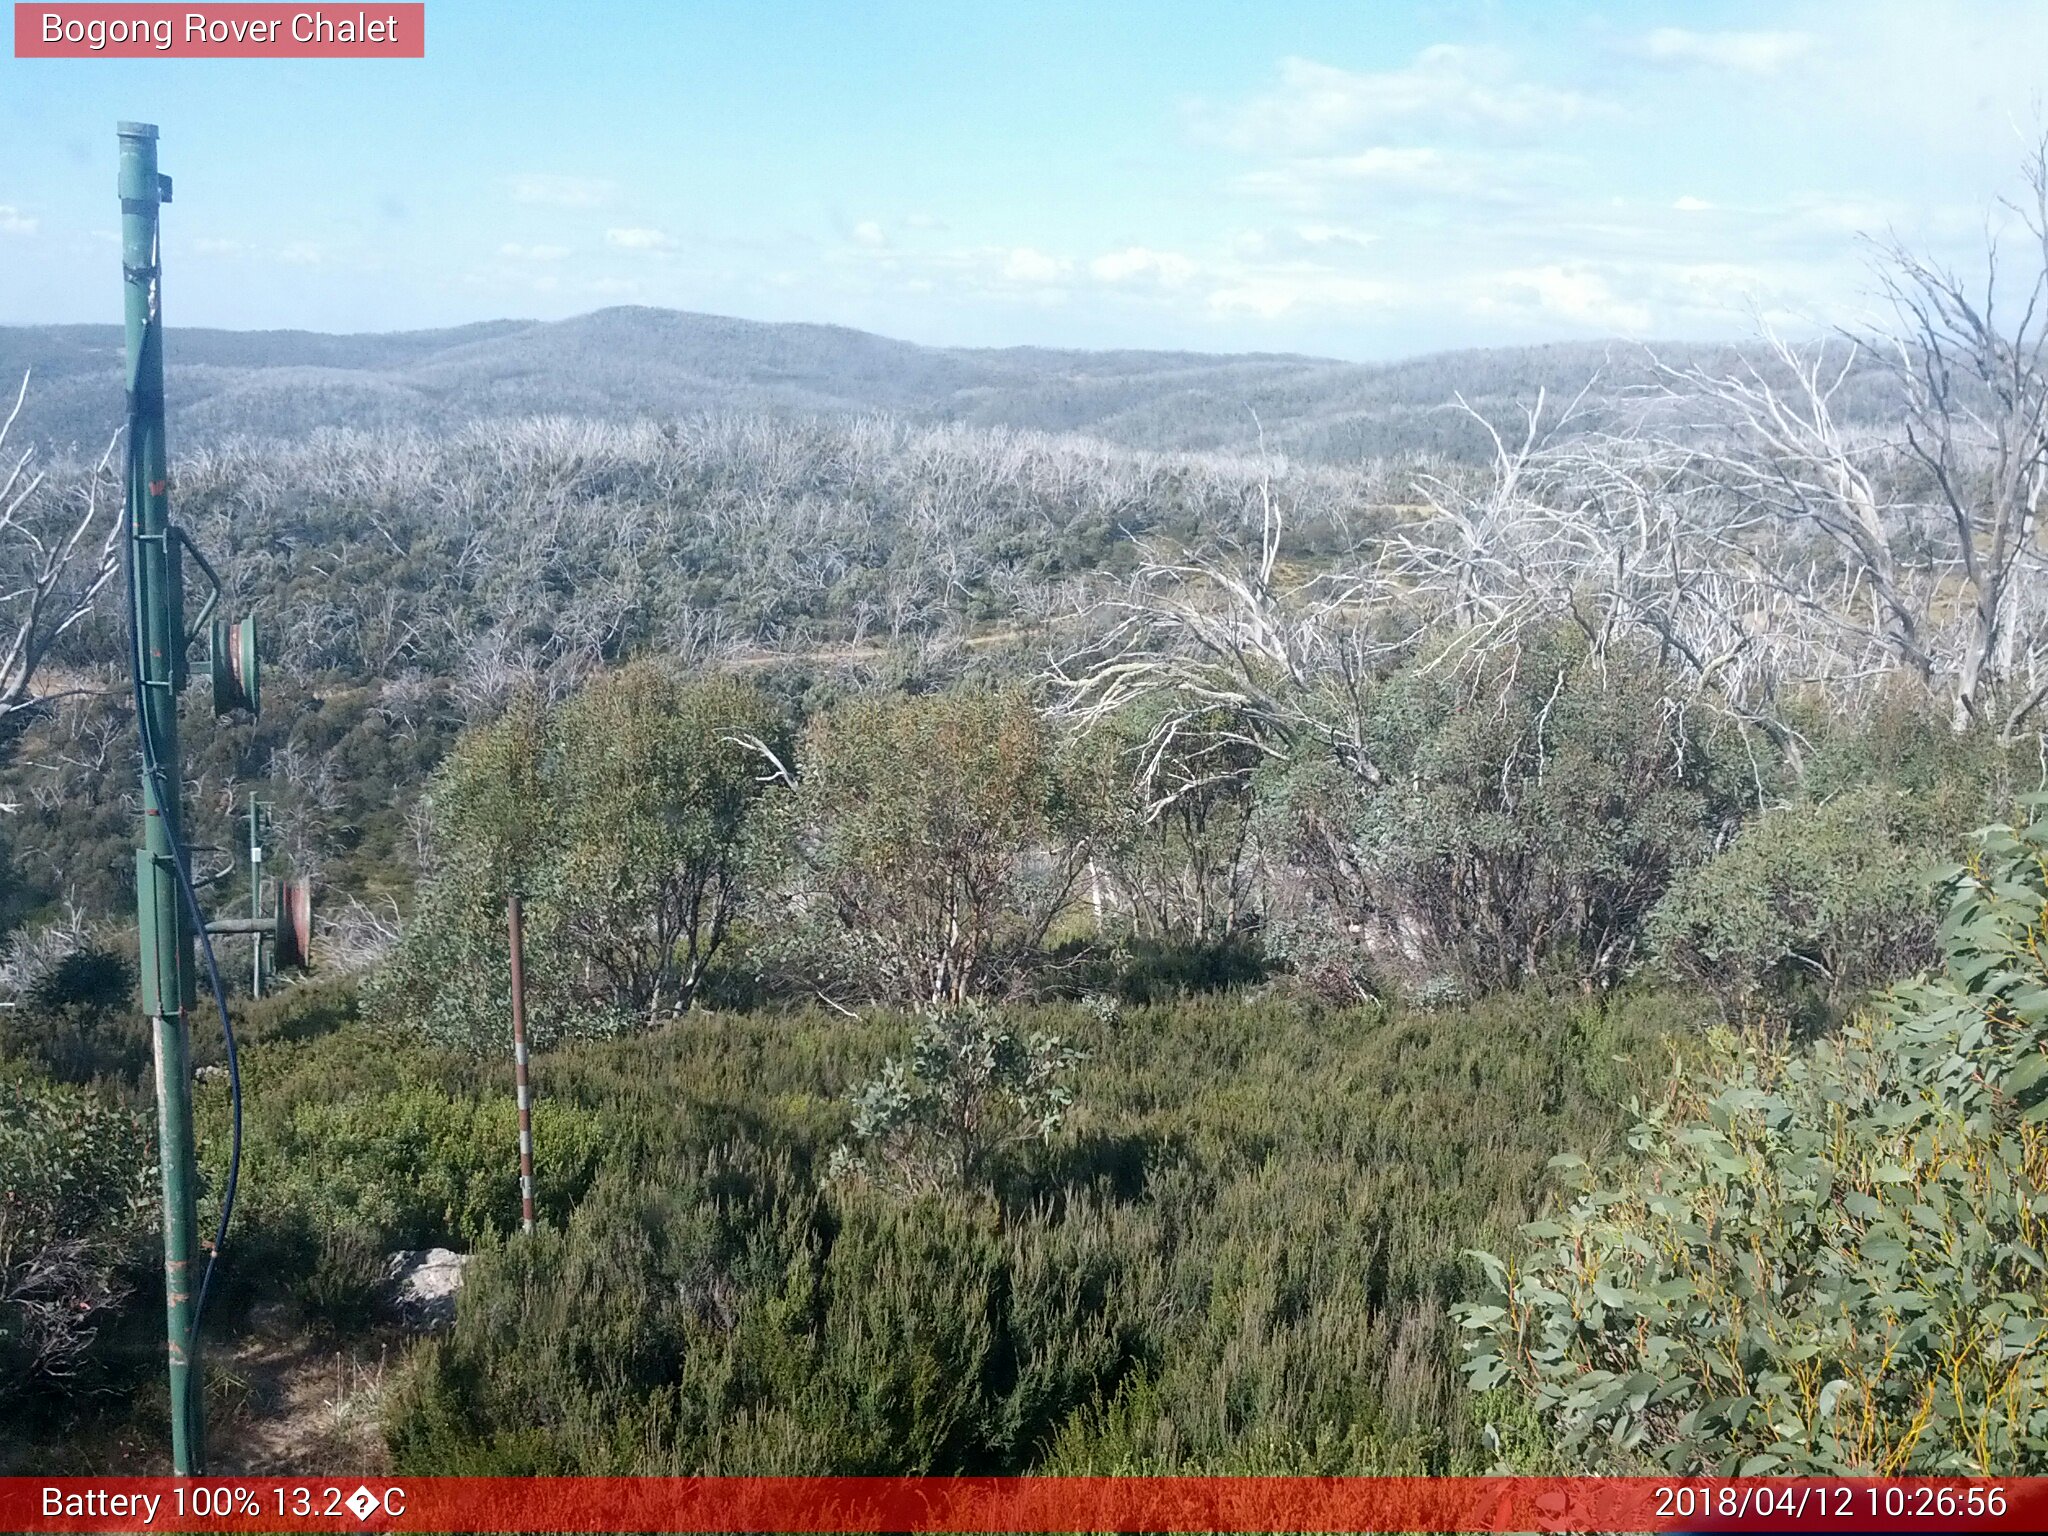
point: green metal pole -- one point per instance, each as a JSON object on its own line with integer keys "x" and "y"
{"x": 256, "y": 890}
{"x": 166, "y": 937}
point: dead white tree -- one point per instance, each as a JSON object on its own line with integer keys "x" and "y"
{"x": 1614, "y": 533}
{"x": 1767, "y": 432}
{"x": 1976, "y": 389}
{"x": 1229, "y": 654}
{"x": 50, "y": 569}
{"x": 1915, "y": 546}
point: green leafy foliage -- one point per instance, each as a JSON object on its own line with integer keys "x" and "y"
{"x": 1238, "y": 1254}
{"x": 78, "y": 1019}
{"x": 1814, "y": 905}
{"x": 925, "y": 854}
{"x": 76, "y": 1180}
{"x": 1823, "y": 902}
{"x": 973, "y": 1086}
{"x": 1525, "y": 814}
{"x": 619, "y": 816}
{"x": 709, "y": 1321}
{"x": 1826, "y": 1261}
{"x": 356, "y": 1148}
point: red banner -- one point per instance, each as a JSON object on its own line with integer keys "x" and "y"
{"x": 1022, "y": 1504}
{"x": 236, "y": 31}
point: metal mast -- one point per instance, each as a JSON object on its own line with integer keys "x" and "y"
{"x": 159, "y": 627}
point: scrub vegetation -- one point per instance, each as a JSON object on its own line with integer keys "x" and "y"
{"x": 1517, "y": 951}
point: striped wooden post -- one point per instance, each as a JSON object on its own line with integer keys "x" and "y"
{"x": 516, "y": 931}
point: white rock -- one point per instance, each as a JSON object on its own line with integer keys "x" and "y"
{"x": 423, "y": 1284}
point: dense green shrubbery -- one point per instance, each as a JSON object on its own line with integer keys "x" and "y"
{"x": 620, "y": 816}
{"x": 925, "y": 846}
{"x": 1236, "y": 1248}
{"x": 1826, "y": 1262}
{"x": 355, "y": 1149}
{"x": 78, "y": 1020}
{"x": 1818, "y": 903}
{"x": 76, "y": 1181}
{"x": 1239, "y": 1252}
{"x": 707, "y": 1320}
{"x": 1822, "y": 902}
{"x": 1522, "y": 821}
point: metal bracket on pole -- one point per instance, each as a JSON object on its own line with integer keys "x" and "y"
{"x": 287, "y": 925}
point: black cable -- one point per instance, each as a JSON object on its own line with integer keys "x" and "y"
{"x": 152, "y": 765}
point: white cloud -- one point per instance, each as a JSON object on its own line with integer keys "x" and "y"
{"x": 1025, "y": 265}
{"x": 14, "y": 222}
{"x": 562, "y": 191}
{"x": 870, "y": 234}
{"x": 1574, "y": 293}
{"x": 1309, "y": 181}
{"x": 1169, "y": 269}
{"x": 1330, "y": 234}
{"x": 517, "y": 252}
{"x": 1726, "y": 287}
{"x": 635, "y": 239}
{"x": 302, "y": 253}
{"x": 1269, "y": 294}
{"x": 1316, "y": 242}
{"x": 1691, "y": 204}
{"x": 214, "y": 245}
{"x": 1749, "y": 53}
{"x": 1316, "y": 105}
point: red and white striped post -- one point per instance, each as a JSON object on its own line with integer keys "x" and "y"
{"x": 517, "y": 932}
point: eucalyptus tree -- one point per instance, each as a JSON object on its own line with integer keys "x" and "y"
{"x": 929, "y": 847}
{"x": 620, "y": 814}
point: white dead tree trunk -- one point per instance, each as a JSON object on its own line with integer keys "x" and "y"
{"x": 50, "y": 569}
{"x": 1773, "y": 441}
{"x": 1976, "y": 389}
{"x": 1234, "y": 655}
{"x": 1933, "y": 524}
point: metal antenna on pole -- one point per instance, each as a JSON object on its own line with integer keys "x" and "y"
{"x": 167, "y": 913}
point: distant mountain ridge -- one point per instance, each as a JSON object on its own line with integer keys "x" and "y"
{"x": 636, "y": 362}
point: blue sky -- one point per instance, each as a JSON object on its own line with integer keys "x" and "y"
{"x": 1358, "y": 180}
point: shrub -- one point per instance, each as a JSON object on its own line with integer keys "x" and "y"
{"x": 1829, "y": 902}
{"x": 76, "y": 1188}
{"x": 1155, "y": 971}
{"x": 1238, "y": 1256}
{"x": 1826, "y": 1262}
{"x": 923, "y": 845}
{"x": 343, "y": 1279}
{"x": 78, "y": 1018}
{"x": 1168, "y": 802}
{"x": 619, "y": 815}
{"x": 677, "y": 1325}
{"x": 972, "y": 1087}
{"x": 359, "y": 1144}
{"x": 1524, "y": 815}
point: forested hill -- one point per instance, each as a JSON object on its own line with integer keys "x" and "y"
{"x": 632, "y": 362}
